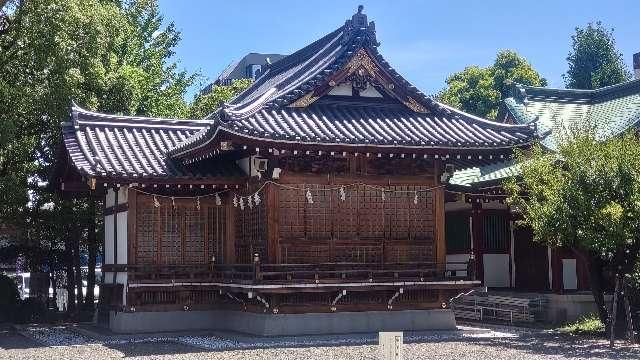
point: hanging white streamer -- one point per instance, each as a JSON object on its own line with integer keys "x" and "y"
{"x": 257, "y": 199}
{"x": 156, "y": 203}
{"x": 250, "y": 201}
{"x": 235, "y": 201}
{"x": 415, "y": 198}
{"x": 309, "y": 197}
{"x": 218, "y": 200}
{"x": 198, "y": 203}
{"x": 241, "y": 203}
{"x": 383, "y": 196}
{"x": 343, "y": 195}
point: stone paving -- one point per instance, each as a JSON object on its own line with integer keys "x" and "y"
{"x": 469, "y": 342}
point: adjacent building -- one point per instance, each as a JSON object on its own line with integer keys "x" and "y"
{"x": 507, "y": 257}
{"x": 251, "y": 66}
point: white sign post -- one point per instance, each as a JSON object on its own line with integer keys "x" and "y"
{"x": 390, "y": 345}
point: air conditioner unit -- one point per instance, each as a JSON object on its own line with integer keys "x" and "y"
{"x": 253, "y": 165}
{"x": 259, "y": 164}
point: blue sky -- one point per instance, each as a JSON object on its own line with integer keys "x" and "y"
{"x": 424, "y": 40}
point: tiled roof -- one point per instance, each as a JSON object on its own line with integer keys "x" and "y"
{"x": 610, "y": 110}
{"x": 285, "y": 104}
{"x": 390, "y": 125}
{"x": 128, "y": 147}
{"x": 485, "y": 174}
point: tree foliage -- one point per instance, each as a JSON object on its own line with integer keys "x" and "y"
{"x": 594, "y": 61}
{"x": 205, "y": 104}
{"x": 585, "y": 197}
{"x": 478, "y": 90}
{"x": 108, "y": 56}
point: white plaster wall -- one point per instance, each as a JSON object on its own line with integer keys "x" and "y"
{"x": 343, "y": 89}
{"x": 108, "y": 277}
{"x": 122, "y": 237}
{"x": 569, "y": 275}
{"x": 110, "y": 198}
{"x": 496, "y": 270}
{"x": 121, "y": 278}
{"x": 123, "y": 195}
{"x": 108, "y": 239}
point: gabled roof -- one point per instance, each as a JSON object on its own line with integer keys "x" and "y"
{"x": 292, "y": 101}
{"x": 127, "y": 147}
{"x": 611, "y": 110}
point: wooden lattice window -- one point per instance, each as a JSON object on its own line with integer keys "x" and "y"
{"x": 251, "y": 231}
{"x": 371, "y": 215}
{"x": 216, "y": 232}
{"x": 177, "y": 232}
{"x": 171, "y": 233}
{"x": 354, "y": 229}
{"x": 147, "y": 246}
{"x": 496, "y": 232}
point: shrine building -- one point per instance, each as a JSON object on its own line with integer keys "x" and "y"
{"x": 313, "y": 202}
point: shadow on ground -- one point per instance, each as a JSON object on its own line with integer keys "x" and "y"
{"x": 10, "y": 339}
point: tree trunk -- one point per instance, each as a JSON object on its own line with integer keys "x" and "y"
{"x": 71, "y": 296}
{"x": 92, "y": 248}
{"x": 597, "y": 284}
{"x": 76, "y": 263}
{"x": 614, "y": 313}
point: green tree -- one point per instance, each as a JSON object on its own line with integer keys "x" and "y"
{"x": 109, "y": 56}
{"x": 205, "y": 104}
{"x": 478, "y": 90}
{"x": 594, "y": 61}
{"x": 585, "y": 197}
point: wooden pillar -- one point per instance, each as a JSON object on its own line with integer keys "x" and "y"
{"x": 115, "y": 233}
{"x": 230, "y": 241}
{"x": 132, "y": 240}
{"x": 478, "y": 238}
{"x": 273, "y": 225}
{"x": 556, "y": 261}
{"x": 512, "y": 262}
{"x": 441, "y": 245}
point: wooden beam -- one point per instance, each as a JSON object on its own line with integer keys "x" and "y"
{"x": 273, "y": 224}
{"x": 230, "y": 241}
{"x": 441, "y": 246}
{"x": 132, "y": 244}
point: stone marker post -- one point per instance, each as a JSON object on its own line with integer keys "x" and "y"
{"x": 390, "y": 345}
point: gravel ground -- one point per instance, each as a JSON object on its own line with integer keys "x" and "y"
{"x": 493, "y": 343}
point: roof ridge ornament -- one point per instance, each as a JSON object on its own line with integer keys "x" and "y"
{"x": 358, "y": 25}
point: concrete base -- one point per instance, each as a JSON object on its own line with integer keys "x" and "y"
{"x": 283, "y": 324}
{"x": 570, "y": 307}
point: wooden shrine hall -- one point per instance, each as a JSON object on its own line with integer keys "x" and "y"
{"x": 313, "y": 202}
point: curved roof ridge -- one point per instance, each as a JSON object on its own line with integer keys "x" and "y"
{"x": 539, "y": 90}
{"x": 494, "y": 124}
{"x": 126, "y": 120}
{"x": 284, "y": 64}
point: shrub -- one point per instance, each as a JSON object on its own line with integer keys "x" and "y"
{"x": 31, "y": 310}
{"x": 9, "y": 297}
{"x": 587, "y": 325}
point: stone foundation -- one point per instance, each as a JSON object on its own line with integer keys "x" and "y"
{"x": 283, "y": 324}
